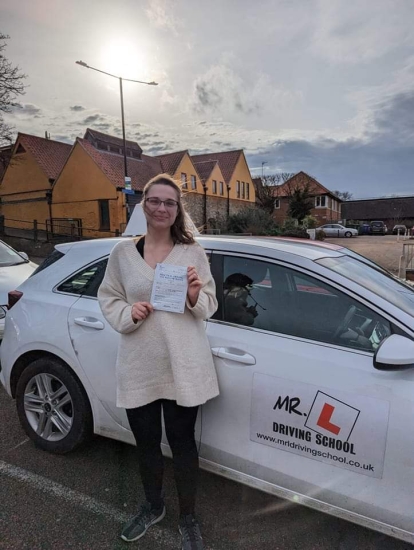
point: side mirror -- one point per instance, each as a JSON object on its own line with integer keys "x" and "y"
{"x": 395, "y": 353}
{"x": 24, "y": 255}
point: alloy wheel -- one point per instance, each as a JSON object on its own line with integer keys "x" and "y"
{"x": 48, "y": 407}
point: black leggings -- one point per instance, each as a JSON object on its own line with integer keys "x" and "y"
{"x": 179, "y": 424}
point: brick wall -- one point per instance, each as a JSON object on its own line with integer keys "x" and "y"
{"x": 216, "y": 208}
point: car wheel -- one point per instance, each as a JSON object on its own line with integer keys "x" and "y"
{"x": 53, "y": 407}
{"x": 348, "y": 234}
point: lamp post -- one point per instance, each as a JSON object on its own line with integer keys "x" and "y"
{"x": 263, "y": 163}
{"x": 83, "y": 64}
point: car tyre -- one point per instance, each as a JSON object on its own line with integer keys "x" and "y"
{"x": 348, "y": 234}
{"x": 72, "y": 423}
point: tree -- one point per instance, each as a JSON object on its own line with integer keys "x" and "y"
{"x": 343, "y": 195}
{"x": 267, "y": 189}
{"x": 11, "y": 86}
{"x": 300, "y": 201}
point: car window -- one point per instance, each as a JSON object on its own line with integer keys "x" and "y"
{"x": 47, "y": 262}
{"x": 271, "y": 297}
{"x": 85, "y": 282}
{"x": 9, "y": 257}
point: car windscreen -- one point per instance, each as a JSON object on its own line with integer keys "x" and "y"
{"x": 9, "y": 257}
{"x": 379, "y": 282}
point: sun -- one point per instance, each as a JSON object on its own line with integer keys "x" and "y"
{"x": 122, "y": 57}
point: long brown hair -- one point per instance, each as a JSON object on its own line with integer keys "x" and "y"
{"x": 179, "y": 231}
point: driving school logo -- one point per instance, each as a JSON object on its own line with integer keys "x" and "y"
{"x": 327, "y": 414}
{"x": 341, "y": 428}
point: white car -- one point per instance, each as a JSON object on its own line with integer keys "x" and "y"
{"x": 337, "y": 230}
{"x": 15, "y": 267}
{"x": 316, "y": 373}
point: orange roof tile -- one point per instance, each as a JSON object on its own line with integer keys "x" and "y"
{"x": 204, "y": 168}
{"x": 51, "y": 155}
{"x": 107, "y": 138}
{"x": 227, "y": 161}
{"x": 301, "y": 179}
{"x": 171, "y": 161}
{"x": 140, "y": 171}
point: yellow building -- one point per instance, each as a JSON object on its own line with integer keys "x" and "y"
{"x": 80, "y": 190}
{"x": 26, "y": 186}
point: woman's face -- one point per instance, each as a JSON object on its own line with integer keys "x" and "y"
{"x": 161, "y": 215}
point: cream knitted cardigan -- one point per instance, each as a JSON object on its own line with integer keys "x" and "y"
{"x": 166, "y": 356}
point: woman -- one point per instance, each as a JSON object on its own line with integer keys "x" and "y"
{"x": 164, "y": 360}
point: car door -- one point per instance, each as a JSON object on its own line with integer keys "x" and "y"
{"x": 93, "y": 339}
{"x": 301, "y": 409}
{"x": 328, "y": 230}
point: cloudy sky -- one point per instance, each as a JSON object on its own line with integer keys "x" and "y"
{"x": 324, "y": 86}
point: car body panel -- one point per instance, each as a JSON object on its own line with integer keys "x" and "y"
{"x": 337, "y": 230}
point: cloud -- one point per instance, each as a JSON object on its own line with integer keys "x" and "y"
{"x": 161, "y": 14}
{"x": 77, "y": 108}
{"x": 222, "y": 91}
{"x": 355, "y": 32}
{"x": 26, "y": 109}
{"x": 93, "y": 118}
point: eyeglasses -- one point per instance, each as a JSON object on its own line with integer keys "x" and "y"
{"x": 154, "y": 203}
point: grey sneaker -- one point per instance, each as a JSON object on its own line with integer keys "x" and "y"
{"x": 191, "y": 538}
{"x": 139, "y": 524}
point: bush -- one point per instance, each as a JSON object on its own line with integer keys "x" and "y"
{"x": 320, "y": 235}
{"x": 251, "y": 220}
{"x": 310, "y": 222}
{"x": 298, "y": 233}
{"x": 290, "y": 223}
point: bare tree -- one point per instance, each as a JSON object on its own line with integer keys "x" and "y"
{"x": 343, "y": 195}
{"x": 11, "y": 86}
{"x": 267, "y": 189}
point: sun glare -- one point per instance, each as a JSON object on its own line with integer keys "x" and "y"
{"x": 122, "y": 57}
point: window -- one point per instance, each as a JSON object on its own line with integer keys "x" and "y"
{"x": 183, "y": 180}
{"x": 243, "y": 190}
{"x": 85, "y": 282}
{"x": 214, "y": 187}
{"x": 238, "y": 189}
{"x": 193, "y": 182}
{"x": 104, "y": 220}
{"x": 320, "y": 201}
{"x": 247, "y": 190}
{"x": 278, "y": 299}
{"x": 50, "y": 260}
{"x": 277, "y": 204}
{"x": 221, "y": 188}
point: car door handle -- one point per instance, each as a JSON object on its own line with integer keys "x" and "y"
{"x": 234, "y": 354}
{"x": 90, "y": 322}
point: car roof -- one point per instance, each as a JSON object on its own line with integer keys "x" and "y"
{"x": 298, "y": 247}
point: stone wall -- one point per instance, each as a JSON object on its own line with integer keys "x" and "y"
{"x": 216, "y": 209}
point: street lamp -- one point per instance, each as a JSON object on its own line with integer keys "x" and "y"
{"x": 263, "y": 163}
{"x": 83, "y": 64}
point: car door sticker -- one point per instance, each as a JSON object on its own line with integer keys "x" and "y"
{"x": 332, "y": 426}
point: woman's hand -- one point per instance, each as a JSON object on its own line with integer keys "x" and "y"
{"x": 140, "y": 311}
{"x": 194, "y": 285}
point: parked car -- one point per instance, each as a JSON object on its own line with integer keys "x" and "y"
{"x": 337, "y": 230}
{"x": 15, "y": 267}
{"x": 317, "y": 390}
{"x": 401, "y": 229}
{"x": 378, "y": 228}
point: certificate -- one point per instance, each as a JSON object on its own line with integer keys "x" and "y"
{"x": 169, "y": 290}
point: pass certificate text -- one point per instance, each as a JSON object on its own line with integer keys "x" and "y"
{"x": 169, "y": 290}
